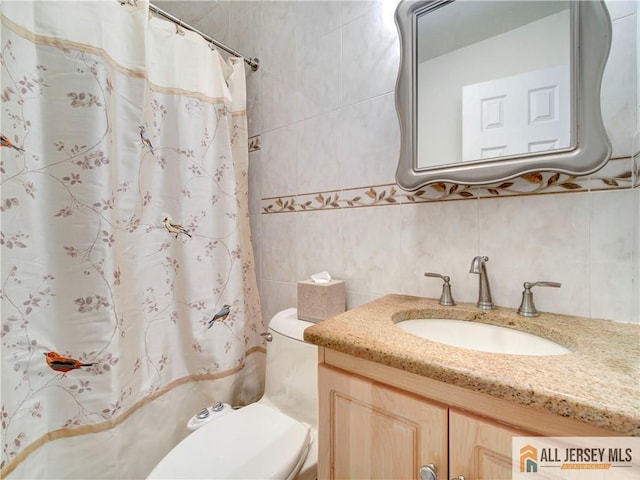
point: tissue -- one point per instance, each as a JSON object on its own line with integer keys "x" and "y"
{"x": 321, "y": 277}
{"x": 320, "y": 298}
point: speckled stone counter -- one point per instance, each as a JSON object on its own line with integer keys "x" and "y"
{"x": 598, "y": 383}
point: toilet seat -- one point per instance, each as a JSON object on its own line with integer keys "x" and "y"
{"x": 254, "y": 442}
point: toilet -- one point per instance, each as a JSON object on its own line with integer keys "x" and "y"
{"x": 274, "y": 438}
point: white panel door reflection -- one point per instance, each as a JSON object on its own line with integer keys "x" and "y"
{"x": 524, "y": 113}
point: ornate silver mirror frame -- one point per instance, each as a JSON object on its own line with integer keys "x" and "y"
{"x": 590, "y": 149}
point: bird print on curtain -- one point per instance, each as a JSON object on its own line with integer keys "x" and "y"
{"x": 64, "y": 364}
{"x": 174, "y": 228}
{"x": 5, "y": 142}
{"x": 221, "y": 316}
{"x": 145, "y": 139}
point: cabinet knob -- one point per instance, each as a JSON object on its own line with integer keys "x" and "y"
{"x": 459, "y": 477}
{"x": 428, "y": 472}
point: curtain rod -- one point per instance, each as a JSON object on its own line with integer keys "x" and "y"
{"x": 254, "y": 63}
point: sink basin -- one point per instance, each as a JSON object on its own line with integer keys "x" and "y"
{"x": 481, "y": 336}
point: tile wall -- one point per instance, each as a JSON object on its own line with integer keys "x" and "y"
{"x": 323, "y": 195}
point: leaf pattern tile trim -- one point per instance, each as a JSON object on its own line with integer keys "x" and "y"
{"x": 620, "y": 173}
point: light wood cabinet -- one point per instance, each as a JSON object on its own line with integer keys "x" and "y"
{"x": 373, "y": 431}
{"x": 377, "y": 422}
{"x": 368, "y": 430}
{"x": 479, "y": 448}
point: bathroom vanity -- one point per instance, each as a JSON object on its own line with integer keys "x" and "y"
{"x": 392, "y": 402}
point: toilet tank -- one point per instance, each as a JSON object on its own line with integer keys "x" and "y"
{"x": 291, "y": 383}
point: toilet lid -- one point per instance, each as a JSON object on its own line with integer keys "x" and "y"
{"x": 254, "y": 442}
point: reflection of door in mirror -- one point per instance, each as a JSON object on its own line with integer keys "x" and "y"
{"x": 525, "y": 113}
{"x": 494, "y": 79}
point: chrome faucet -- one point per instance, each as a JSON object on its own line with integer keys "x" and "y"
{"x": 484, "y": 291}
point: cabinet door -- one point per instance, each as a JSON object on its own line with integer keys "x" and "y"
{"x": 371, "y": 431}
{"x": 480, "y": 449}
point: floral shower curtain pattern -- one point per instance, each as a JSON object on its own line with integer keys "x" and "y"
{"x": 123, "y": 131}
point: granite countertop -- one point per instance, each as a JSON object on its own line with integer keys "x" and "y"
{"x": 597, "y": 383}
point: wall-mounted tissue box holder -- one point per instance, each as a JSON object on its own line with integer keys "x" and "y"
{"x": 319, "y": 301}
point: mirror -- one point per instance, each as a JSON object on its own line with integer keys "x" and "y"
{"x": 489, "y": 90}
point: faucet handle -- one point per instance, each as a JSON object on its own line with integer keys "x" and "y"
{"x": 446, "y": 298}
{"x": 542, "y": 284}
{"x": 527, "y": 307}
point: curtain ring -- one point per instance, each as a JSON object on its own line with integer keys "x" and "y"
{"x": 179, "y": 31}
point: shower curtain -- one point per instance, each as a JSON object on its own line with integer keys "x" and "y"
{"x": 127, "y": 265}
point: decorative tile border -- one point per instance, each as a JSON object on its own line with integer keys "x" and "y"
{"x": 619, "y": 173}
{"x": 254, "y": 143}
{"x": 636, "y": 160}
